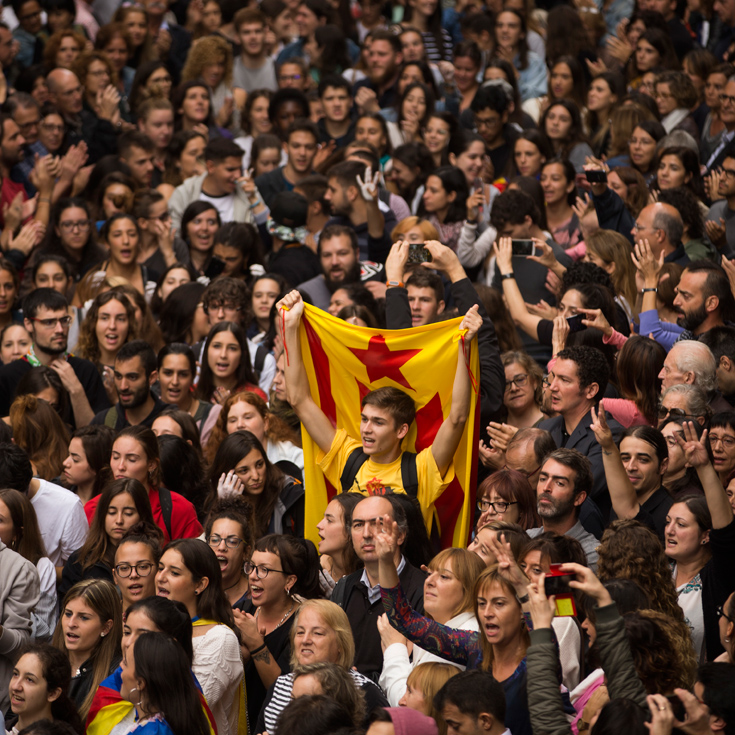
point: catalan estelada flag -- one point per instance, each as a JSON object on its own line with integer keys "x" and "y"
{"x": 344, "y": 363}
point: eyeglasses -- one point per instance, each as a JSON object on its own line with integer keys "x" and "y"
{"x": 261, "y": 572}
{"x": 499, "y": 506}
{"x": 72, "y": 92}
{"x": 29, "y": 125}
{"x": 50, "y": 323}
{"x": 490, "y": 122}
{"x": 519, "y": 381}
{"x": 676, "y": 413}
{"x": 290, "y": 77}
{"x": 721, "y": 613}
{"x": 142, "y": 569}
{"x": 68, "y": 226}
{"x": 727, "y": 98}
{"x": 728, "y": 173}
{"x": 98, "y": 73}
{"x": 215, "y": 306}
{"x": 727, "y": 441}
{"x": 232, "y": 542}
{"x": 29, "y": 16}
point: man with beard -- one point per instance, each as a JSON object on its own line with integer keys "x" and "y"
{"x": 577, "y": 382}
{"x": 380, "y": 89}
{"x": 564, "y": 482}
{"x": 135, "y": 373}
{"x": 354, "y": 203}
{"x": 703, "y": 299}
{"x": 339, "y": 254}
{"x": 47, "y": 319}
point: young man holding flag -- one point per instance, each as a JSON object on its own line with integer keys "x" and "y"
{"x": 376, "y": 463}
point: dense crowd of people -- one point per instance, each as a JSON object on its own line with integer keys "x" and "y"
{"x": 179, "y": 180}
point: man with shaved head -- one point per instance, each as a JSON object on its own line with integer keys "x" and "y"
{"x": 100, "y": 129}
{"x": 662, "y": 226}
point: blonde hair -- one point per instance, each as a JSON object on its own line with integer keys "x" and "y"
{"x": 104, "y": 600}
{"x": 466, "y": 567}
{"x": 204, "y": 51}
{"x": 429, "y": 678}
{"x": 427, "y": 229}
{"x": 335, "y": 618}
{"x": 612, "y": 247}
{"x": 39, "y": 431}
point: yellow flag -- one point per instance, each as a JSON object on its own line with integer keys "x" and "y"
{"x": 344, "y": 363}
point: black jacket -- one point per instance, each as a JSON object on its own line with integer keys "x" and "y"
{"x": 351, "y": 595}
{"x": 492, "y": 373}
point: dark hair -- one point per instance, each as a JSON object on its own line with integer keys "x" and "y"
{"x": 201, "y": 561}
{"x": 178, "y": 348}
{"x": 522, "y": 41}
{"x": 46, "y": 298}
{"x": 592, "y": 367}
{"x": 690, "y": 161}
{"x": 134, "y": 139}
{"x": 416, "y": 157}
{"x": 98, "y": 546}
{"x": 575, "y": 135}
{"x": 27, "y": 539}
{"x": 661, "y": 41}
{"x": 57, "y": 673}
{"x": 721, "y": 341}
{"x": 428, "y": 99}
{"x": 194, "y": 210}
{"x": 244, "y": 373}
{"x": 621, "y": 715}
{"x": 232, "y": 450}
{"x": 578, "y": 93}
{"x": 718, "y": 681}
{"x": 229, "y": 289}
{"x": 569, "y": 175}
{"x": 298, "y": 557}
{"x": 532, "y": 186}
{"x": 513, "y": 486}
{"x": 491, "y": 97}
{"x": 88, "y": 346}
{"x": 179, "y": 95}
{"x": 539, "y": 139}
{"x": 169, "y": 616}
{"x": 160, "y": 661}
{"x": 182, "y": 469}
{"x": 15, "y": 467}
{"x": 143, "y": 73}
{"x": 148, "y": 443}
{"x": 334, "y": 58}
{"x": 237, "y": 509}
{"x": 219, "y": 149}
{"x": 453, "y": 181}
{"x": 639, "y": 363}
{"x": 247, "y": 109}
{"x": 685, "y": 201}
{"x": 38, "y": 379}
{"x": 284, "y": 95}
{"x": 566, "y": 35}
{"x": 175, "y": 148}
{"x": 577, "y": 462}
{"x": 138, "y": 348}
{"x": 244, "y": 237}
{"x": 473, "y": 693}
{"x": 512, "y": 207}
{"x": 261, "y": 143}
{"x": 314, "y": 715}
{"x": 177, "y": 314}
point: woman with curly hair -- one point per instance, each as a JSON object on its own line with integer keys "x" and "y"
{"x": 114, "y": 41}
{"x": 63, "y": 49}
{"x": 629, "y": 550}
{"x": 522, "y": 397}
{"x": 254, "y": 121}
{"x": 152, "y": 79}
{"x": 41, "y": 434}
{"x": 247, "y": 411}
{"x": 110, "y": 323}
{"x": 96, "y": 75}
{"x": 210, "y": 60}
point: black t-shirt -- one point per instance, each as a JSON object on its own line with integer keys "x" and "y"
{"x": 85, "y": 370}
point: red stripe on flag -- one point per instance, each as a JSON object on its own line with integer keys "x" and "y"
{"x": 448, "y": 507}
{"x": 428, "y": 420}
{"x": 323, "y": 376}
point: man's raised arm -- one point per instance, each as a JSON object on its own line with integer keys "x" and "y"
{"x": 312, "y": 417}
{"x": 450, "y": 432}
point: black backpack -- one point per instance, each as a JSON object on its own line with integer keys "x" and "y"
{"x": 357, "y": 458}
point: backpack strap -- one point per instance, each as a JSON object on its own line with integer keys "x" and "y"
{"x": 409, "y": 474}
{"x": 356, "y": 460}
{"x": 260, "y": 354}
{"x": 111, "y": 417}
{"x": 167, "y": 506}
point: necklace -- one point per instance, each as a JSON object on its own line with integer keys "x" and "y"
{"x": 282, "y": 620}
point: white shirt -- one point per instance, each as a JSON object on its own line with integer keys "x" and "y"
{"x": 225, "y": 205}
{"x": 61, "y": 520}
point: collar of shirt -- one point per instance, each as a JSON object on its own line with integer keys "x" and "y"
{"x": 374, "y": 592}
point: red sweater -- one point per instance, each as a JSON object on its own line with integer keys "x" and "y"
{"x": 184, "y": 521}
